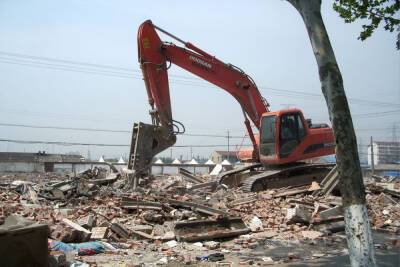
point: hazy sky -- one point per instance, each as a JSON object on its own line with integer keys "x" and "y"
{"x": 267, "y": 39}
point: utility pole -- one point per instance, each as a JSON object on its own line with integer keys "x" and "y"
{"x": 372, "y": 157}
{"x": 228, "y": 136}
{"x": 394, "y": 133}
{"x": 191, "y": 153}
{"x": 89, "y": 156}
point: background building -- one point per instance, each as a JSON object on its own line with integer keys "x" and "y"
{"x": 219, "y": 156}
{"x": 384, "y": 152}
{"x": 34, "y": 162}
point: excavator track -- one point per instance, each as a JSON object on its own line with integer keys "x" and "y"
{"x": 296, "y": 175}
{"x": 234, "y": 177}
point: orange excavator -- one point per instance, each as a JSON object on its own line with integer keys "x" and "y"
{"x": 285, "y": 137}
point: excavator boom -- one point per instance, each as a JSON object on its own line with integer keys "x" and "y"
{"x": 155, "y": 56}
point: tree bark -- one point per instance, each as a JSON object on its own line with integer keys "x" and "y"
{"x": 358, "y": 230}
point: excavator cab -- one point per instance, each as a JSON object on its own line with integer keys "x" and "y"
{"x": 285, "y": 136}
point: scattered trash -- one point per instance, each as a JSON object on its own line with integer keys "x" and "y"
{"x": 255, "y": 224}
{"x": 212, "y": 257}
{"x": 267, "y": 260}
{"x": 87, "y": 248}
{"x": 171, "y": 244}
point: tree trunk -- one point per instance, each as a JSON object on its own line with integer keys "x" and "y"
{"x": 358, "y": 231}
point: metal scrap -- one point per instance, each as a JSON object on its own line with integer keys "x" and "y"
{"x": 190, "y": 176}
{"x": 199, "y": 230}
{"x": 197, "y": 207}
{"x": 128, "y": 203}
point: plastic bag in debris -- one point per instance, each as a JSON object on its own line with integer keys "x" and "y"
{"x": 79, "y": 264}
{"x": 87, "y": 248}
{"x": 212, "y": 257}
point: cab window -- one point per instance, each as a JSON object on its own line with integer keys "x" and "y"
{"x": 268, "y": 129}
{"x": 268, "y": 136}
{"x": 292, "y": 131}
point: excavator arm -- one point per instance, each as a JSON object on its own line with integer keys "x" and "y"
{"x": 155, "y": 56}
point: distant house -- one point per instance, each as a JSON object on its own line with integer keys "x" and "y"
{"x": 34, "y": 162}
{"x": 384, "y": 152}
{"x": 219, "y": 156}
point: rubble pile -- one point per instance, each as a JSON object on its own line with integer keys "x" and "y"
{"x": 184, "y": 219}
{"x": 383, "y": 200}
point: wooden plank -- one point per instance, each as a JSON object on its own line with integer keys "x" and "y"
{"x": 295, "y": 191}
{"x": 75, "y": 226}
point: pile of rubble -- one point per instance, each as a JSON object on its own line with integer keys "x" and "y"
{"x": 184, "y": 218}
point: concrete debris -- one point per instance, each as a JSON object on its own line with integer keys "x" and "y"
{"x": 190, "y": 176}
{"x": 175, "y": 220}
{"x": 168, "y": 236}
{"x": 99, "y": 233}
{"x": 212, "y": 184}
{"x": 311, "y": 234}
{"x": 298, "y": 214}
{"x": 57, "y": 258}
{"x": 216, "y": 170}
{"x": 119, "y": 230}
{"x": 23, "y": 242}
{"x": 88, "y": 222}
{"x": 256, "y": 224}
{"x": 331, "y": 213}
{"x": 212, "y": 245}
{"x": 82, "y": 231}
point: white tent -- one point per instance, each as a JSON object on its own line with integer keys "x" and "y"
{"x": 226, "y": 163}
{"x": 176, "y": 161}
{"x": 209, "y": 162}
{"x": 101, "y": 159}
{"x": 193, "y": 161}
{"x": 217, "y": 169}
{"x": 121, "y": 160}
{"x": 159, "y": 161}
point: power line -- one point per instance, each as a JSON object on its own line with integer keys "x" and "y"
{"x": 103, "y": 66}
{"x": 122, "y": 72}
{"x": 62, "y": 128}
{"x": 373, "y": 129}
{"x": 378, "y": 114}
{"x": 101, "y": 130}
{"x": 67, "y": 61}
{"x": 313, "y": 95}
{"x": 129, "y": 132}
{"x": 61, "y": 143}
